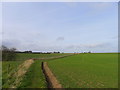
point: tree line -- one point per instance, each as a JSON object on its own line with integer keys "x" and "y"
{"x": 10, "y": 54}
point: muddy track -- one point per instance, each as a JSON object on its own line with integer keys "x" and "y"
{"x": 52, "y": 82}
{"x": 50, "y": 78}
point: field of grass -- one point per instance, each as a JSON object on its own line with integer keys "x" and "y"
{"x": 87, "y": 70}
{"x": 33, "y": 77}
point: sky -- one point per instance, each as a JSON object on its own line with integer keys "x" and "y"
{"x": 60, "y": 26}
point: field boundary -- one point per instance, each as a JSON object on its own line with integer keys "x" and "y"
{"x": 55, "y": 57}
{"x": 50, "y": 78}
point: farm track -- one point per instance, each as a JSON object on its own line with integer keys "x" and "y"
{"x": 22, "y": 69}
{"x": 50, "y": 78}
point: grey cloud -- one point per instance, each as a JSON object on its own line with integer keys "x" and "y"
{"x": 95, "y": 45}
{"x": 70, "y": 46}
{"x": 60, "y": 39}
{"x": 35, "y": 46}
{"x": 87, "y": 45}
{"x": 11, "y": 43}
{"x": 91, "y": 47}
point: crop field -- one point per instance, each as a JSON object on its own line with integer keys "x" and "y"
{"x": 34, "y": 76}
{"x": 94, "y": 70}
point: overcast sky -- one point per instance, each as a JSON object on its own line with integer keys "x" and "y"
{"x": 64, "y": 27}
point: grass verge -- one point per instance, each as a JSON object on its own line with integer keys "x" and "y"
{"x": 34, "y": 78}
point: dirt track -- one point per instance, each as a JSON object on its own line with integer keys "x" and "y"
{"x": 51, "y": 79}
{"x": 22, "y": 69}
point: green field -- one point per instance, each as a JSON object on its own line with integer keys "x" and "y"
{"x": 34, "y": 76}
{"x": 87, "y": 70}
{"x": 77, "y": 71}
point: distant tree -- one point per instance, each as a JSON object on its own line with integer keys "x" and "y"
{"x": 27, "y": 51}
{"x": 56, "y": 52}
{"x": 89, "y": 52}
{"x": 8, "y": 54}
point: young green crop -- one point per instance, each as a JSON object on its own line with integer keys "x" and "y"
{"x": 87, "y": 70}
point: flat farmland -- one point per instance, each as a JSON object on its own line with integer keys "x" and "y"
{"x": 34, "y": 77}
{"x": 94, "y": 70}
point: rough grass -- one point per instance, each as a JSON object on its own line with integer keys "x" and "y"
{"x": 8, "y": 70}
{"x": 87, "y": 70}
